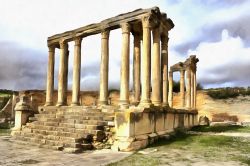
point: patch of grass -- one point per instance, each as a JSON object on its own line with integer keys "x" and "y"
{"x": 5, "y": 125}
{"x": 4, "y": 132}
{"x": 234, "y": 128}
{"x": 197, "y": 147}
{"x": 137, "y": 160}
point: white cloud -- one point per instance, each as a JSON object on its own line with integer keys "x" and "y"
{"x": 223, "y": 60}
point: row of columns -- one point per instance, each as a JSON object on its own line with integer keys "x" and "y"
{"x": 159, "y": 68}
{"x": 190, "y": 96}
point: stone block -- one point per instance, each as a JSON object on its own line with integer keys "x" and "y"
{"x": 144, "y": 122}
{"x": 169, "y": 121}
{"x": 124, "y": 124}
{"x": 160, "y": 121}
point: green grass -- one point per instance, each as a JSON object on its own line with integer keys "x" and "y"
{"x": 235, "y": 128}
{"x": 206, "y": 147}
{"x": 4, "y": 132}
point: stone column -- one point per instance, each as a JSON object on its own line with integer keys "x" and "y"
{"x": 76, "y": 72}
{"x": 50, "y": 76}
{"x": 170, "y": 92}
{"x": 104, "y": 69}
{"x": 124, "y": 86}
{"x": 156, "y": 69}
{"x": 146, "y": 53}
{"x": 195, "y": 90}
{"x": 182, "y": 87}
{"x": 137, "y": 68}
{"x": 188, "y": 89}
{"x": 63, "y": 74}
{"x": 192, "y": 89}
{"x": 164, "y": 56}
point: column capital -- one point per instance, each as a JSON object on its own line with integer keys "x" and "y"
{"x": 78, "y": 41}
{"x": 105, "y": 34}
{"x": 164, "y": 38}
{"x": 125, "y": 27}
{"x": 146, "y": 21}
{"x": 63, "y": 44}
{"x": 51, "y": 48}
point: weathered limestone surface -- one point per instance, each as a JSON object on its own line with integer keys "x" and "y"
{"x": 141, "y": 127}
{"x": 137, "y": 123}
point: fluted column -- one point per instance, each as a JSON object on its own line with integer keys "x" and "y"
{"x": 182, "y": 87}
{"x": 50, "y": 76}
{"x": 124, "y": 86}
{"x": 146, "y": 53}
{"x": 192, "y": 89}
{"x": 76, "y": 72}
{"x": 170, "y": 92}
{"x": 164, "y": 61}
{"x": 195, "y": 90}
{"x": 137, "y": 68}
{"x": 156, "y": 69}
{"x": 104, "y": 69}
{"x": 188, "y": 89}
{"x": 63, "y": 74}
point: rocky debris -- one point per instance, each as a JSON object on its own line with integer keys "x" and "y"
{"x": 204, "y": 121}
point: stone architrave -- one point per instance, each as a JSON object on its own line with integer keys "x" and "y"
{"x": 104, "y": 69}
{"x": 124, "y": 84}
{"x": 76, "y": 72}
{"x": 50, "y": 76}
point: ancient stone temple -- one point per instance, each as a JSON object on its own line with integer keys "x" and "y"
{"x": 132, "y": 124}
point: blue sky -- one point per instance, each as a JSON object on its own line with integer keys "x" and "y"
{"x": 217, "y": 31}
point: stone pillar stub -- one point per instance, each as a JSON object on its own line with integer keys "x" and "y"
{"x": 76, "y": 72}
{"x": 164, "y": 65}
{"x": 146, "y": 55}
{"x": 63, "y": 74}
{"x": 182, "y": 87}
{"x": 104, "y": 68}
{"x": 137, "y": 68}
{"x": 170, "y": 92}
{"x": 124, "y": 83}
{"x": 50, "y": 76}
{"x": 156, "y": 69}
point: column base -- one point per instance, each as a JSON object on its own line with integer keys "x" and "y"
{"x": 60, "y": 104}
{"x": 101, "y": 103}
{"x": 164, "y": 105}
{"x": 156, "y": 103}
{"x": 48, "y": 104}
{"x": 124, "y": 104}
{"x": 75, "y": 104}
{"x": 145, "y": 103}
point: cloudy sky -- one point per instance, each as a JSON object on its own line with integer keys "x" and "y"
{"x": 217, "y": 31}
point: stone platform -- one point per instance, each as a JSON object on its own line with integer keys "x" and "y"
{"x": 137, "y": 127}
{"x": 72, "y": 129}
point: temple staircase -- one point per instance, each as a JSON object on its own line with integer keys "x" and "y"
{"x": 68, "y": 130}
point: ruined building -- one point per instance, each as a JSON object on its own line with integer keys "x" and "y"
{"x": 132, "y": 124}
